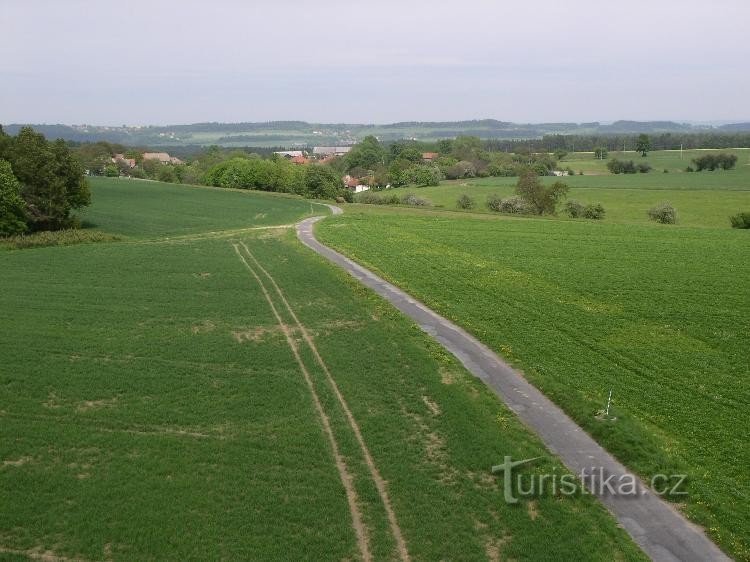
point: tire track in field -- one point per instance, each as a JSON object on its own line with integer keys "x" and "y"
{"x": 344, "y": 475}
{"x": 377, "y": 478}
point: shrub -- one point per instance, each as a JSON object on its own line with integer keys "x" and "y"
{"x": 622, "y": 167}
{"x": 663, "y": 213}
{"x": 514, "y": 205}
{"x": 55, "y": 238}
{"x": 574, "y": 209}
{"x": 462, "y": 169}
{"x": 740, "y": 220}
{"x": 689, "y": 169}
{"x": 644, "y": 168}
{"x": 666, "y": 171}
{"x": 494, "y": 202}
{"x": 465, "y": 202}
{"x": 593, "y": 211}
{"x": 411, "y": 199}
{"x": 711, "y": 162}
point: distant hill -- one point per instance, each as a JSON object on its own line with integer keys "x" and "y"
{"x": 301, "y": 133}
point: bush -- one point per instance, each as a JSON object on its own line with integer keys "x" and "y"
{"x": 346, "y": 195}
{"x": 494, "y": 202}
{"x": 711, "y": 162}
{"x": 57, "y": 238}
{"x": 622, "y": 167}
{"x": 663, "y": 213}
{"x": 689, "y": 169}
{"x": 576, "y": 210}
{"x": 740, "y": 220}
{"x": 573, "y": 209}
{"x": 411, "y": 199}
{"x": 644, "y": 168}
{"x": 514, "y": 205}
{"x": 594, "y": 211}
{"x": 465, "y": 202}
{"x": 370, "y": 198}
{"x": 460, "y": 170}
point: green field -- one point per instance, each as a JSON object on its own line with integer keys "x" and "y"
{"x": 153, "y": 407}
{"x": 142, "y": 208}
{"x": 660, "y": 315}
{"x": 660, "y": 160}
{"x": 704, "y": 199}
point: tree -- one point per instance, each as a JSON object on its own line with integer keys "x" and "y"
{"x": 366, "y": 154}
{"x": 542, "y": 199}
{"x": 600, "y": 153}
{"x": 322, "y": 182}
{"x": 643, "y": 144}
{"x": 12, "y": 207}
{"x": 52, "y": 180}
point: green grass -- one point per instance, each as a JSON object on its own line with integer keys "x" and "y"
{"x": 660, "y": 160}
{"x": 145, "y": 209}
{"x": 658, "y": 314}
{"x": 151, "y": 408}
{"x": 704, "y": 208}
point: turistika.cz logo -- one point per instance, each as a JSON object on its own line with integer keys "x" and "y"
{"x": 593, "y": 480}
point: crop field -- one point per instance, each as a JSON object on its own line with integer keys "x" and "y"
{"x": 141, "y": 208}
{"x": 659, "y": 315}
{"x": 197, "y": 391}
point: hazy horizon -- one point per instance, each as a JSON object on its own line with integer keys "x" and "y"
{"x": 169, "y": 63}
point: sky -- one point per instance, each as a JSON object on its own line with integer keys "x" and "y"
{"x": 184, "y": 61}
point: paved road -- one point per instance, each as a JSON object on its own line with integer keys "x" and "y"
{"x": 661, "y": 531}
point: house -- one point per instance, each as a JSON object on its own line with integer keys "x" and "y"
{"x": 162, "y": 157}
{"x": 323, "y": 151}
{"x": 355, "y": 184}
{"x": 559, "y": 173}
{"x": 299, "y": 160}
{"x": 430, "y": 156}
{"x": 290, "y": 153}
{"x": 121, "y": 158}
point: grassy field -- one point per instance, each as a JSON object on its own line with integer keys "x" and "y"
{"x": 705, "y": 199}
{"x": 657, "y": 314}
{"x": 143, "y": 209}
{"x": 660, "y": 160}
{"x": 161, "y": 402}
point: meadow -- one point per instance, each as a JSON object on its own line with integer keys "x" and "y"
{"x": 194, "y": 391}
{"x": 657, "y": 314}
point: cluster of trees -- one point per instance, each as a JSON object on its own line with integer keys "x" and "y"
{"x": 627, "y": 167}
{"x": 41, "y": 183}
{"x": 313, "y": 180}
{"x": 712, "y": 162}
{"x": 401, "y": 163}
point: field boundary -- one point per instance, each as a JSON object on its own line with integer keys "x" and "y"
{"x": 656, "y": 526}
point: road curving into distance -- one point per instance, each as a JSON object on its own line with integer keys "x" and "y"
{"x": 656, "y": 526}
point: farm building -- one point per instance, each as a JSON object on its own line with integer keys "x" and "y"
{"x": 429, "y": 156}
{"x": 323, "y": 151}
{"x": 162, "y": 157}
{"x": 290, "y": 153}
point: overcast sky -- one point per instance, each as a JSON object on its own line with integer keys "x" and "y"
{"x": 185, "y": 61}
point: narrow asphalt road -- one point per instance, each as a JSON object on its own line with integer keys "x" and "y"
{"x": 658, "y": 528}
